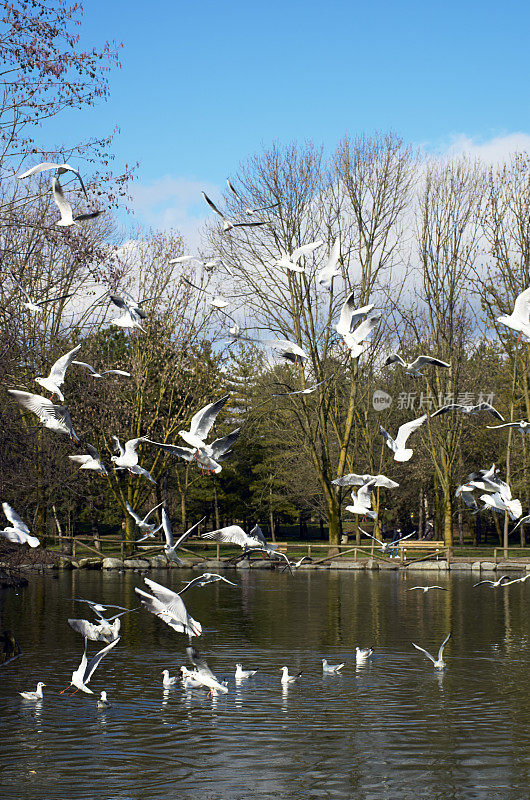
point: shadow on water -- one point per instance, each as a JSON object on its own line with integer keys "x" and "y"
{"x": 391, "y": 728}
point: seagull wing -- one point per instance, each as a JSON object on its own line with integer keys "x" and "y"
{"x": 232, "y": 189}
{"x": 212, "y": 205}
{"x": 152, "y": 510}
{"x": 232, "y": 534}
{"x": 490, "y": 409}
{"x": 182, "y": 538}
{"x": 424, "y": 651}
{"x": 131, "y": 447}
{"x": 133, "y": 513}
{"x": 167, "y": 528}
{"x": 58, "y": 370}
{"x": 221, "y": 446}
{"x": 45, "y": 165}
{"x": 407, "y": 428}
{"x": 89, "y": 630}
{"x": 521, "y": 307}
{"x": 118, "y": 448}
{"x": 84, "y": 364}
{"x": 441, "y": 650}
{"x": 43, "y": 408}
{"x": 62, "y": 203}
{"x": 348, "y": 307}
{"x": 395, "y": 358}
{"x": 305, "y": 249}
{"x": 349, "y": 480}
{"x": 364, "y": 494}
{"x": 365, "y": 328}
{"x": 14, "y": 518}
{"x": 119, "y": 302}
{"x": 94, "y": 662}
{"x": 202, "y": 421}
{"x": 423, "y": 361}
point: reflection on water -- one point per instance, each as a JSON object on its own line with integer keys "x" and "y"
{"x": 391, "y": 728}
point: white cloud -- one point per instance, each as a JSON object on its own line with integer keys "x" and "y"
{"x": 174, "y": 203}
{"x": 492, "y": 151}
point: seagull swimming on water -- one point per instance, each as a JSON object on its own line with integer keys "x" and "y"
{"x": 242, "y": 674}
{"x": 438, "y": 662}
{"x": 286, "y": 678}
{"x": 203, "y": 673}
{"x": 36, "y": 695}
{"x": 331, "y": 669}
{"x": 362, "y": 655}
{"x": 167, "y": 680}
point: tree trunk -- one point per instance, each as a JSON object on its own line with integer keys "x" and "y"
{"x": 215, "y": 504}
{"x": 334, "y": 522}
{"x": 460, "y": 529}
{"x": 420, "y": 516}
{"x": 271, "y": 516}
{"x": 448, "y": 520}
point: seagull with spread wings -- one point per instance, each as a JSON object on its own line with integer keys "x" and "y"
{"x": 519, "y": 319}
{"x": 220, "y": 450}
{"x": 249, "y": 211}
{"x": 201, "y": 424}
{"x": 397, "y": 445}
{"x": 414, "y": 367}
{"x": 18, "y": 532}
{"x": 95, "y": 374}
{"x": 352, "y": 479}
{"x": 37, "y": 305}
{"x": 61, "y": 169}
{"x": 287, "y": 350}
{"x": 468, "y": 410}
{"x": 169, "y": 607}
{"x": 227, "y": 223}
{"x": 204, "y": 579}
{"x": 249, "y": 542}
{"x": 290, "y": 261}
{"x": 202, "y": 672}
{"x": 84, "y": 672}
{"x": 438, "y": 662}
{"x": 65, "y": 209}
{"x": 56, "y": 418}
{"x": 149, "y": 528}
{"x": 385, "y": 546}
{"x": 90, "y": 461}
{"x": 331, "y": 268}
{"x": 57, "y": 373}
{"x": 362, "y": 501}
{"x": 171, "y": 545}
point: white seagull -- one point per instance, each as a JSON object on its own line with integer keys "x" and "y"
{"x": 203, "y": 673}
{"x": 351, "y": 316}
{"x": 397, "y": 445}
{"x": 201, "y": 424}
{"x": 363, "y": 654}
{"x": 468, "y": 410}
{"x": 352, "y": 479}
{"x": 169, "y": 607}
{"x": 128, "y": 455}
{"x": 308, "y": 390}
{"x": 37, "y": 305}
{"x": 387, "y": 545}
{"x": 519, "y": 319}
{"x": 286, "y": 678}
{"x": 501, "y": 503}
{"x": 56, "y": 418}
{"x": 362, "y": 501}
{"x": 208, "y": 458}
{"x": 253, "y": 542}
{"x": 357, "y": 341}
{"x": 65, "y": 209}
{"x": 438, "y": 662}
{"x": 290, "y": 261}
{"x": 249, "y": 211}
{"x": 227, "y": 223}
{"x": 103, "y": 702}
{"x": 149, "y": 528}
{"x": 60, "y": 169}
{"x": 171, "y": 545}
{"x": 331, "y": 269}
{"x": 203, "y": 580}
{"x": 521, "y": 425}
{"x": 91, "y": 460}
{"x": 493, "y": 584}
{"x": 414, "y": 367}
{"x": 167, "y": 680}
{"x": 96, "y": 374}
{"x": 102, "y": 631}
{"x": 36, "y": 695}
{"x": 57, "y": 373}
{"x": 522, "y": 579}
{"x": 242, "y": 674}
{"x": 82, "y": 675}
{"x": 287, "y": 350}
{"x": 331, "y": 669}
{"x": 426, "y": 589}
{"x": 18, "y": 532}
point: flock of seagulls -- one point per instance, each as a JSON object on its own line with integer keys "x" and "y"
{"x": 355, "y": 326}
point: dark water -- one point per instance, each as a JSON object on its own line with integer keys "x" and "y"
{"x": 393, "y": 729}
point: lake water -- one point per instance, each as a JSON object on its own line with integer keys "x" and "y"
{"x": 392, "y": 729}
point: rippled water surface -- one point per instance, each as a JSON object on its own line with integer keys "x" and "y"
{"x": 391, "y": 729}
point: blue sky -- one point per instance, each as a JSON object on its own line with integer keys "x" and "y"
{"x": 204, "y": 85}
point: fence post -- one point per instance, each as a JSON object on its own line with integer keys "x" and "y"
{"x": 73, "y": 547}
{"x": 309, "y": 551}
{"x": 218, "y": 556}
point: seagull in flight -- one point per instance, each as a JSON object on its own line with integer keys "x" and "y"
{"x": 56, "y": 418}
{"x": 57, "y": 373}
{"x": 331, "y": 269}
{"x": 308, "y": 390}
{"x": 128, "y": 455}
{"x": 133, "y": 313}
{"x": 351, "y": 316}
{"x": 37, "y": 305}
{"x": 18, "y": 532}
{"x": 352, "y": 479}
{"x": 150, "y": 529}
{"x": 287, "y": 350}
{"x": 96, "y": 374}
{"x": 249, "y": 542}
{"x": 501, "y": 503}
{"x": 438, "y": 662}
{"x": 207, "y": 577}
{"x": 169, "y": 607}
{"x": 227, "y": 223}
{"x": 362, "y": 501}
{"x": 493, "y": 584}
{"x": 426, "y": 589}
{"x": 202, "y": 672}
{"x": 65, "y": 209}
{"x": 171, "y": 545}
{"x": 519, "y": 319}
{"x": 201, "y": 424}
{"x": 82, "y": 675}
{"x": 387, "y": 545}
{"x": 468, "y": 410}
{"x": 290, "y": 261}
{"x": 91, "y": 460}
{"x": 522, "y": 579}
{"x": 249, "y": 211}
{"x": 521, "y": 425}
{"x": 105, "y": 630}
{"x": 414, "y": 367}
{"x": 61, "y": 169}
{"x": 397, "y": 445}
